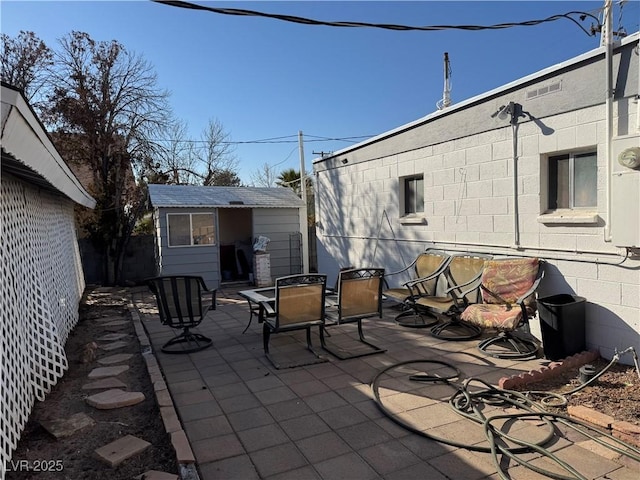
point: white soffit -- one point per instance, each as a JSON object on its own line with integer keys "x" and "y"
{"x": 24, "y": 138}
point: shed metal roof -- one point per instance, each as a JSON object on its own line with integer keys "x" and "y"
{"x": 217, "y": 197}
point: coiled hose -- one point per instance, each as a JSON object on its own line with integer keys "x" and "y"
{"x": 469, "y": 403}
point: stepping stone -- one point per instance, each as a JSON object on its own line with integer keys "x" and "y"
{"x": 109, "y": 337}
{"x": 113, "y": 359}
{"x": 114, "y": 345}
{"x": 156, "y": 475}
{"x": 115, "y": 323}
{"x": 103, "y": 372}
{"x": 114, "y": 398}
{"x": 114, "y": 453}
{"x": 112, "y": 318}
{"x": 104, "y": 384}
{"x": 66, "y": 427}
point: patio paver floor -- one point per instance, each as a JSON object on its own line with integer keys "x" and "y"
{"x": 247, "y": 420}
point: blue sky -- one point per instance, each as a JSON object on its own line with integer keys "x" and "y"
{"x": 264, "y": 78}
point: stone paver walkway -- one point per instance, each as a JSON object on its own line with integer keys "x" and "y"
{"x": 246, "y": 420}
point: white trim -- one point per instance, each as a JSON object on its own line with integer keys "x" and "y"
{"x": 215, "y": 231}
{"x": 566, "y": 216}
{"x": 24, "y": 138}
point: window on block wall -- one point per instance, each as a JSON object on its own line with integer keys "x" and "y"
{"x": 573, "y": 181}
{"x": 412, "y": 195}
{"x": 188, "y": 229}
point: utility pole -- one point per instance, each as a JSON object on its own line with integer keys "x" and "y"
{"x": 304, "y": 223}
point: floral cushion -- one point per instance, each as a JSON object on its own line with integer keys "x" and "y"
{"x": 504, "y": 281}
{"x": 501, "y": 317}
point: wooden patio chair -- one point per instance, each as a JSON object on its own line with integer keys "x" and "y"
{"x": 428, "y": 265}
{"x": 359, "y": 297}
{"x": 508, "y": 291}
{"x": 299, "y": 305}
{"x": 179, "y": 299}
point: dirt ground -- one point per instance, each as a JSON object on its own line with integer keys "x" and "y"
{"x": 72, "y": 457}
{"x": 616, "y": 393}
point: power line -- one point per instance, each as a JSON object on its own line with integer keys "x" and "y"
{"x": 274, "y": 140}
{"x": 386, "y": 26}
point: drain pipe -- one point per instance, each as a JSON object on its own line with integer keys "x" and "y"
{"x": 514, "y": 138}
{"x": 608, "y": 56}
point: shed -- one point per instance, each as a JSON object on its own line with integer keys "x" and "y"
{"x": 210, "y": 231}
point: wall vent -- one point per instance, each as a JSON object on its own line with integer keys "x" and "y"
{"x": 547, "y": 89}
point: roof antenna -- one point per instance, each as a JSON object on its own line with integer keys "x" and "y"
{"x": 446, "y": 94}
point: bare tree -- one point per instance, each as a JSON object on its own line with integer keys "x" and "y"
{"x": 265, "y": 176}
{"x": 217, "y": 156}
{"x": 172, "y": 157}
{"x": 26, "y": 63}
{"x": 108, "y": 98}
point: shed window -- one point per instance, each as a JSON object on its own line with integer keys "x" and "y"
{"x": 413, "y": 192}
{"x": 187, "y": 229}
{"x": 573, "y": 181}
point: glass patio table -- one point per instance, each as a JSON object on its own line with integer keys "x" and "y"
{"x": 256, "y": 296}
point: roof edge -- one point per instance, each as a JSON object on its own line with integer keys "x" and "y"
{"x": 634, "y": 37}
{"x": 38, "y": 153}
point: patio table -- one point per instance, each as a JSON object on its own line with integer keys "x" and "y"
{"x": 256, "y": 296}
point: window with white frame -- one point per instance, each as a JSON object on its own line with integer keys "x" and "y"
{"x": 573, "y": 179}
{"x": 189, "y": 229}
{"x": 412, "y": 195}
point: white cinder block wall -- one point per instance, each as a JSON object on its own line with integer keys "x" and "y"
{"x": 469, "y": 206}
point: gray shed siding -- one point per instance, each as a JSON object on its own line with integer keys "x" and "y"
{"x": 277, "y": 224}
{"x": 200, "y": 260}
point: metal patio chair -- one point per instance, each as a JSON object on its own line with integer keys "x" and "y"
{"x": 428, "y": 264}
{"x": 180, "y": 306}
{"x": 462, "y": 275}
{"x": 299, "y": 305}
{"x": 509, "y": 299}
{"x": 359, "y": 297}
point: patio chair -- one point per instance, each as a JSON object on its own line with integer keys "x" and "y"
{"x": 462, "y": 275}
{"x": 508, "y": 291}
{"x": 428, "y": 264}
{"x": 179, "y": 299}
{"x": 299, "y": 305}
{"x": 359, "y": 297}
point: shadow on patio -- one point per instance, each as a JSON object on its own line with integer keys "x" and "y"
{"x": 244, "y": 419}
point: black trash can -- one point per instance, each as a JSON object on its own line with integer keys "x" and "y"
{"x": 562, "y": 324}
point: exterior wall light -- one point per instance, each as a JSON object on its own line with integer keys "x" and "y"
{"x": 511, "y": 111}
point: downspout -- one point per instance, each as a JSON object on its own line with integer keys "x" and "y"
{"x": 608, "y": 56}
{"x": 514, "y": 138}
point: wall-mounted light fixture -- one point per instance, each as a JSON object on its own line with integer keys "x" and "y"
{"x": 511, "y": 111}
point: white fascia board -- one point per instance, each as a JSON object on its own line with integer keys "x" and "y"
{"x": 225, "y": 206}
{"x": 24, "y": 138}
{"x": 479, "y": 98}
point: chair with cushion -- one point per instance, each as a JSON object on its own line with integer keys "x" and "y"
{"x": 428, "y": 265}
{"x": 179, "y": 299}
{"x": 508, "y": 291}
{"x": 462, "y": 275}
{"x": 359, "y": 297}
{"x": 299, "y": 305}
